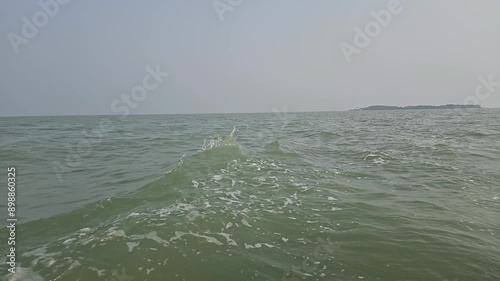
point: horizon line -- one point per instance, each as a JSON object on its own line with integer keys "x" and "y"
{"x": 152, "y": 114}
{"x": 207, "y": 113}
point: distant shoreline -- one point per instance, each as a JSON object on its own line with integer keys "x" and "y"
{"x": 255, "y": 112}
{"x": 418, "y": 107}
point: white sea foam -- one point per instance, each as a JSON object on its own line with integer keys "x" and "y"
{"x": 245, "y": 223}
{"x": 132, "y": 245}
{"x": 209, "y": 239}
{"x": 229, "y": 241}
{"x": 69, "y": 241}
{"x": 153, "y": 235}
{"x": 258, "y": 245}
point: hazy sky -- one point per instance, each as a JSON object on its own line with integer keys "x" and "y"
{"x": 252, "y": 57}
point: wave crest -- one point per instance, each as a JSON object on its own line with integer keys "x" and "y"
{"x": 217, "y": 141}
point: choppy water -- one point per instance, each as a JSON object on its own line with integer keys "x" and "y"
{"x": 396, "y": 195}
